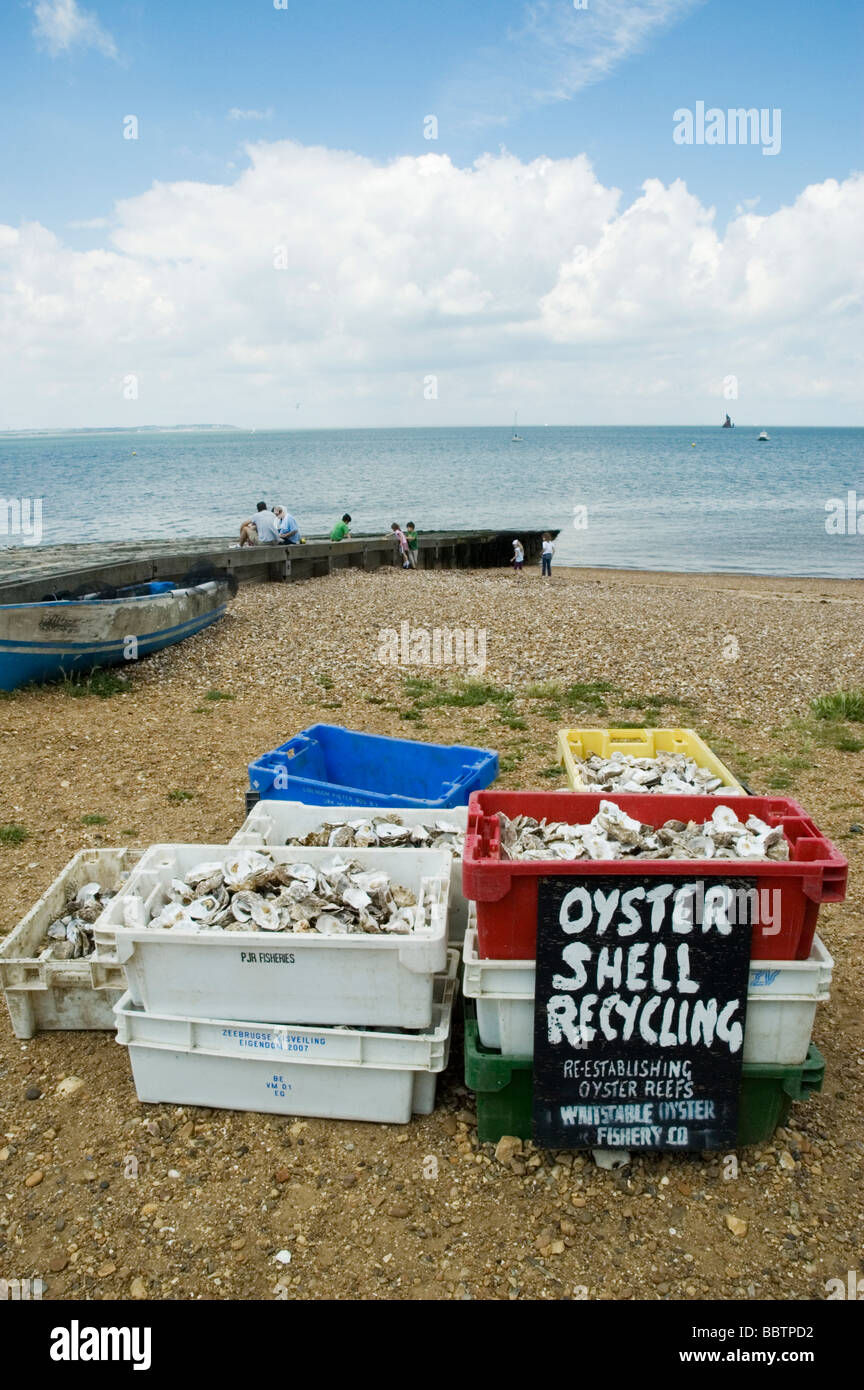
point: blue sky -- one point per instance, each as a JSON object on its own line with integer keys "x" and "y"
{"x": 206, "y": 77}
{"x": 362, "y": 77}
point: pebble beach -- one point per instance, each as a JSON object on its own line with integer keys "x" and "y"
{"x": 103, "y": 1197}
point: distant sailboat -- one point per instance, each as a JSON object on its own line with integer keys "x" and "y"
{"x": 516, "y": 437}
{"x": 763, "y": 436}
{"x": 727, "y": 424}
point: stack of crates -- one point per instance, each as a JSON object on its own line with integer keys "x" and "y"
{"x": 790, "y": 969}
{"x": 341, "y": 1027}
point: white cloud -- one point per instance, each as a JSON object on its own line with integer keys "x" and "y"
{"x": 61, "y": 25}
{"x": 509, "y": 281}
{"x": 236, "y": 114}
{"x": 87, "y": 223}
{"x": 556, "y": 52}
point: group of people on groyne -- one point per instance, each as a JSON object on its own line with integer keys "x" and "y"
{"x": 276, "y": 525}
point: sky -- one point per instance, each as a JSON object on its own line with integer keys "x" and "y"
{"x": 273, "y": 213}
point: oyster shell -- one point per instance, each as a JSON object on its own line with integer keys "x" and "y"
{"x": 613, "y": 834}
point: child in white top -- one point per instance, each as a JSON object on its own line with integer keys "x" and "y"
{"x": 548, "y": 552}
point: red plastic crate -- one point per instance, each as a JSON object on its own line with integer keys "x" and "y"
{"x": 505, "y": 891}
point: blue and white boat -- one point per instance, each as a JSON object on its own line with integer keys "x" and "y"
{"x": 62, "y": 636}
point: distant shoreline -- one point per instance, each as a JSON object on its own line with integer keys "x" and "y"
{"x": 83, "y": 431}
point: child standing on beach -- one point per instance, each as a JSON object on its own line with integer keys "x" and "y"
{"x": 546, "y": 559}
{"x": 411, "y": 537}
{"x": 518, "y": 556}
{"x": 402, "y": 542}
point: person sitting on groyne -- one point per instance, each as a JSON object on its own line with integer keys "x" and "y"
{"x": 263, "y": 529}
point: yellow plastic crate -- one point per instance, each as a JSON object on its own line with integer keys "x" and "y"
{"x": 574, "y": 745}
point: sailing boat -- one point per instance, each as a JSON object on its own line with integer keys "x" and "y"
{"x": 516, "y": 437}
{"x": 727, "y": 424}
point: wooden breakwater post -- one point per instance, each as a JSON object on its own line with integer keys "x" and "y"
{"x": 32, "y": 574}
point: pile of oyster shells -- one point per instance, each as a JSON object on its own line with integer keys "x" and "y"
{"x": 385, "y": 831}
{"x": 612, "y": 834}
{"x": 70, "y": 937}
{"x": 249, "y": 892}
{"x": 667, "y": 772}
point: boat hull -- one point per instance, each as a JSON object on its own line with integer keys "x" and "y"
{"x": 46, "y": 641}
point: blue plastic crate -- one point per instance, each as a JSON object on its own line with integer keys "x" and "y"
{"x": 327, "y": 765}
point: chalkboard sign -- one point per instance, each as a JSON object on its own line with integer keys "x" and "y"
{"x": 640, "y": 1004}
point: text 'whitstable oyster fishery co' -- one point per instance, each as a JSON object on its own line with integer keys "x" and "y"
{"x": 612, "y": 834}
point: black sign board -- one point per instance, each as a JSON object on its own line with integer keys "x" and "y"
{"x": 640, "y": 1003}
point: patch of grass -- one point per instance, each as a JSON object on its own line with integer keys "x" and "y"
{"x": 202, "y": 709}
{"x": 332, "y": 704}
{"x": 129, "y": 834}
{"x": 468, "y": 694}
{"x": 556, "y": 771}
{"x": 219, "y": 695}
{"x": 588, "y": 695}
{"x": 543, "y": 690}
{"x": 12, "y": 834}
{"x": 551, "y": 712}
{"x": 375, "y": 700}
{"x": 789, "y": 763}
{"x": 326, "y": 681}
{"x": 779, "y": 781}
{"x": 94, "y": 820}
{"x": 513, "y": 721}
{"x": 843, "y": 704}
{"x": 510, "y": 761}
{"x": 843, "y": 740}
{"x": 104, "y": 684}
{"x": 179, "y": 795}
{"x": 415, "y": 714}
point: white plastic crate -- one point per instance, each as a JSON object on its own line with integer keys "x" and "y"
{"x": 43, "y": 995}
{"x": 280, "y": 977}
{"x": 331, "y": 1073}
{"x": 273, "y": 822}
{"x": 782, "y": 996}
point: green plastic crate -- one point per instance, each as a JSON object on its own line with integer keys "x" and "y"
{"x": 504, "y": 1087}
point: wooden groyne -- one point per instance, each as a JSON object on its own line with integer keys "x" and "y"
{"x": 31, "y": 574}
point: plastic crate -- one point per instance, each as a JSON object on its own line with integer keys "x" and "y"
{"x": 506, "y": 890}
{"x": 781, "y": 1003}
{"x": 575, "y": 745}
{"x": 49, "y": 995}
{"x": 332, "y": 1073}
{"x": 273, "y": 822}
{"x": 327, "y": 765}
{"x": 504, "y": 1089}
{"x": 279, "y": 977}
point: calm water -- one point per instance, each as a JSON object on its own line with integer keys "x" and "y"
{"x": 653, "y": 501}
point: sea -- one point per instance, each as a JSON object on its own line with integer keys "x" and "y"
{"x": 654, "y": 498}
